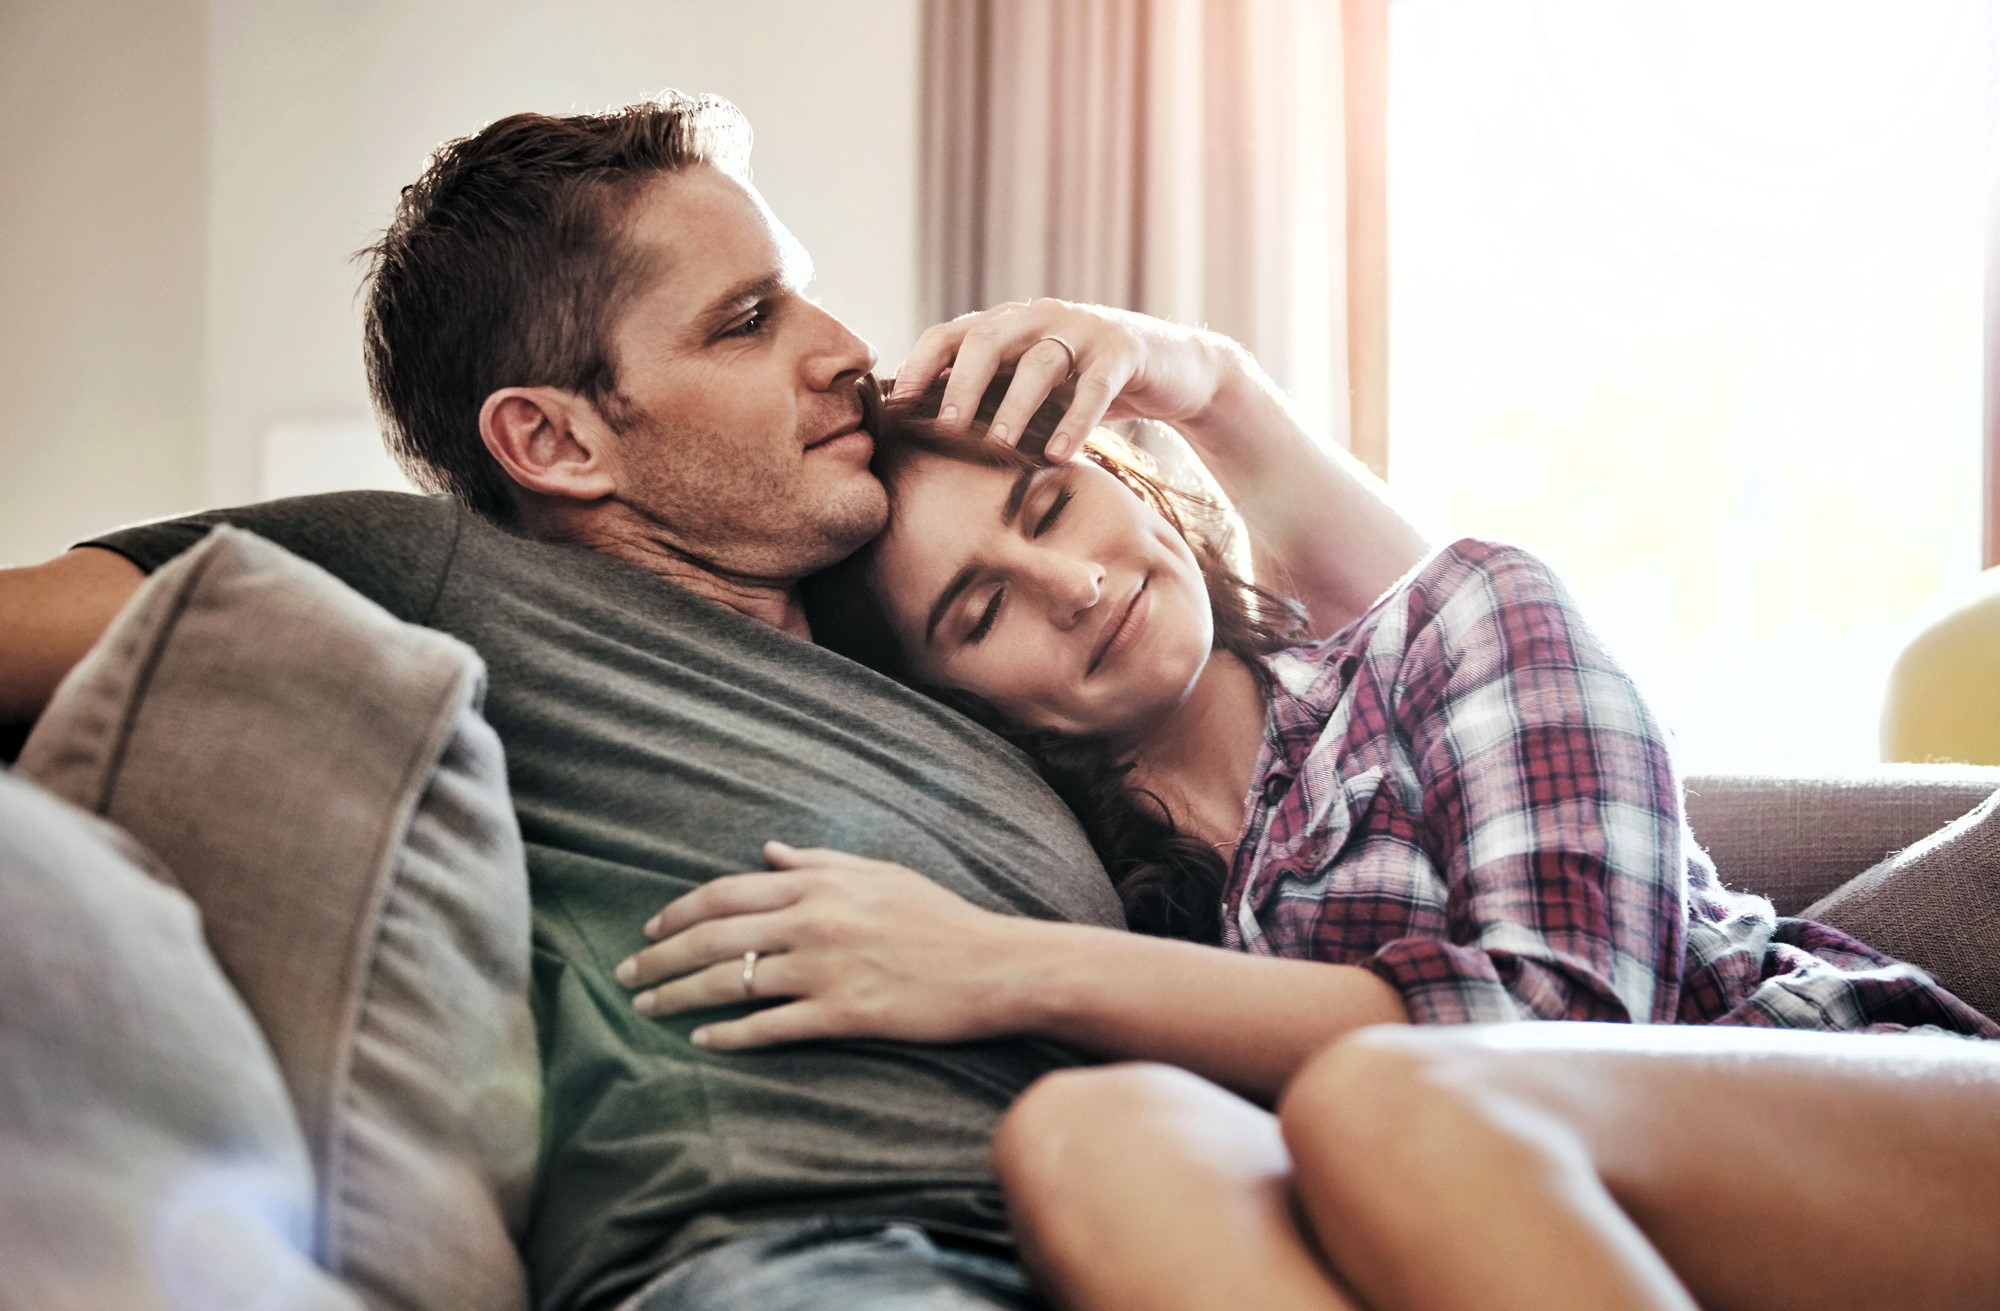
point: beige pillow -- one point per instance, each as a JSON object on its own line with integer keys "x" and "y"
{"x": 316, "y": 775}
{"x": 149, "y": 1157}
{"x": 1936, "y": 905}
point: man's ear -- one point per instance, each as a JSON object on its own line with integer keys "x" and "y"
{"x": 550, "y": 441}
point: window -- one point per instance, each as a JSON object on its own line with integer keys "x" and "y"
{"x": 1687, "y": 297}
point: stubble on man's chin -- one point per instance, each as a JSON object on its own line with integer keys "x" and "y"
{"x": 779, "y": 545}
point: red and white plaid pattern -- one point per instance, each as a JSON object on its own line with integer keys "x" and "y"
{"x": 1462, "y": 792}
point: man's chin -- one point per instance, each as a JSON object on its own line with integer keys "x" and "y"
{"x": 847, "y": 523}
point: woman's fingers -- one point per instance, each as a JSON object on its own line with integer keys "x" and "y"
{"x": 798, "y": 1022}
{"x": 1096, "y": 388}
{"x": 986, "y": 347}
{"x": 783, "y": 856}
{"x": 937, "y": 347}
{"x": 721, "y": 984}
{"x": 732, "y": 894}
{"x": 1048, "y": 344}
{"x": 705, "y": 944}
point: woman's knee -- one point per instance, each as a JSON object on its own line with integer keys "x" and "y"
{"x": 1076, "y": 1123}
{"x": 1405, "y": 1112}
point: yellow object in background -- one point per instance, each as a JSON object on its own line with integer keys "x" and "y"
{"x": 1944, "y": 692}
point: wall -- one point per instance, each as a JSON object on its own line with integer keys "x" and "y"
{"x": 100, "y": 267}
{"x": 177, "y": 294}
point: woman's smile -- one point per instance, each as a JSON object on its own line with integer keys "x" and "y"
{"x": 1123, "y": 630}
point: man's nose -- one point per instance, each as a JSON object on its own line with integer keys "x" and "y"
{"x": 838, "y": 355}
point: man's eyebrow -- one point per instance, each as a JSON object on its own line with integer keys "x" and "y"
{"x": 1009, "y": 511}
{"x": 751, "y": 289}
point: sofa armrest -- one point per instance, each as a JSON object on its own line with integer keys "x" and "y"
{"x": 1796, "y": 839}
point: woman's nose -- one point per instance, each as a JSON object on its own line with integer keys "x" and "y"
{"x": 1074, "y": 587}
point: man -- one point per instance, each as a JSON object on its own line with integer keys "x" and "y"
{"x": 592, "y": 335}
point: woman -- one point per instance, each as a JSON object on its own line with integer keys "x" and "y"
{"x": 1454, "y": 809}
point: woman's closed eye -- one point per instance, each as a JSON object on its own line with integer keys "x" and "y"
{"x": 1053, "y": 513}
{"x": 984, "y": 625}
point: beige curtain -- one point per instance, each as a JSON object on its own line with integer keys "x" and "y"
{"x": 1179, "y": 157}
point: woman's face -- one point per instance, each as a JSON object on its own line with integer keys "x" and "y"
{"x": 1055, "y": 594}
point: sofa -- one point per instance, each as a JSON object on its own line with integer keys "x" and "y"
{"x": 264, "y": 1031}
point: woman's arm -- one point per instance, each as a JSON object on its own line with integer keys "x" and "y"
{"x": 1322, "y": 527}
{"x": 867, "y": 949}
{"x": 1247, "y": 1022}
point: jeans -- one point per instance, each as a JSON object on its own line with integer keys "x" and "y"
{"x": 840, "y": 1265}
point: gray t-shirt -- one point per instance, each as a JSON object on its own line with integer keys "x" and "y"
{"x": 655, "y": 740}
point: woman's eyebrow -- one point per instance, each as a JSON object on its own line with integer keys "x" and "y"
{"x": 1010, "y": 510}
{"x": 960, "y": 581}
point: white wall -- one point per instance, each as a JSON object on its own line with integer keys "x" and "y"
{"x": 100, "y": 266}
{"x": 176, "y": 229}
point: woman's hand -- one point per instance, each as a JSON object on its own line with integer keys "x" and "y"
{"x": 1118, "y": 365}
{"x": 862, "y": 948}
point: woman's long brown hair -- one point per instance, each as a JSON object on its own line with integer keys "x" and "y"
{"x": 1171, "y": 884}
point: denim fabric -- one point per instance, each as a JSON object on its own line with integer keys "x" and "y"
{"x": 840, "y": 1265}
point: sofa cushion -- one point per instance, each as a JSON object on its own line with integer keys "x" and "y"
{"x": 1935, "y": 904}
{"x": 1795, "y": 839}
{"x": 149, "y": 1157}
{"x": 316, "y": 775}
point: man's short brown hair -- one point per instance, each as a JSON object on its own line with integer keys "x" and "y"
{"x": 504, "y": 267}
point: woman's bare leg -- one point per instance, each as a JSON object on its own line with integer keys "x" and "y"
{"x": 1144, "y": 1186}
{"x": 1770, "y": 1170}
{"x": 1431, "y": 1195}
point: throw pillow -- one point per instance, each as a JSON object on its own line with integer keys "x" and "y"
{"x": 149, "y": 1157}
{"x": 317, "y": 777}
{"x": 1936, "y": 905}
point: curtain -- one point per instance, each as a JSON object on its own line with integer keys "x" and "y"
{"x": 1179, "y": 157}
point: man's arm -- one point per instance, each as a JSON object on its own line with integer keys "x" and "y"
{"x": 50, "y": 614}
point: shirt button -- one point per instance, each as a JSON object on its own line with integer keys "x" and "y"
{"x": 1275, "y": 788}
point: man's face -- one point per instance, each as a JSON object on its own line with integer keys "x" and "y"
{"x": 737, "y": 445}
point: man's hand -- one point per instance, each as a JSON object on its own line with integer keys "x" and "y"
{"x": 50, "y": 614}
{"x": 862, "y": 948}
{"x": 1116, "y": 364}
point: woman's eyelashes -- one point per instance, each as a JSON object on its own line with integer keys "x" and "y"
{"x": 985, "y": 624}
{"x": 1053, "y": 513}
{"x": 991, "y": 613}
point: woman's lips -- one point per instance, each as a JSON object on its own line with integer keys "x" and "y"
{"x": 1122, "y": 634}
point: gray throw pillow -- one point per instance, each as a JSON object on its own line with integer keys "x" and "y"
{"x": 316, "y": 775}
{"x": 1936, "y": 905}
{"x": 149, "y": 1157}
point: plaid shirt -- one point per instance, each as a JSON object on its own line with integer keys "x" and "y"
{"x": 1463, "y": 793}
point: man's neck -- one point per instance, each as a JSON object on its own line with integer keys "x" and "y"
{"x": 772, "y": 601}
{"x": 776, "y": 604}
{"x": 1201, "y": 758}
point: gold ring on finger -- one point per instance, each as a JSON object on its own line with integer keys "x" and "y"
{"x": 1068, "y": 350}
{"x": 749, "y": 974}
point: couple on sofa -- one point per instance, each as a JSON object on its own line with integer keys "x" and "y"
{"x": 1411, "y": 789}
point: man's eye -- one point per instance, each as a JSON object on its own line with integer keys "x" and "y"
{"x": 986, "y": 618}
{"x": 751, "y": 326}
{"x": 1054, "y": 512}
